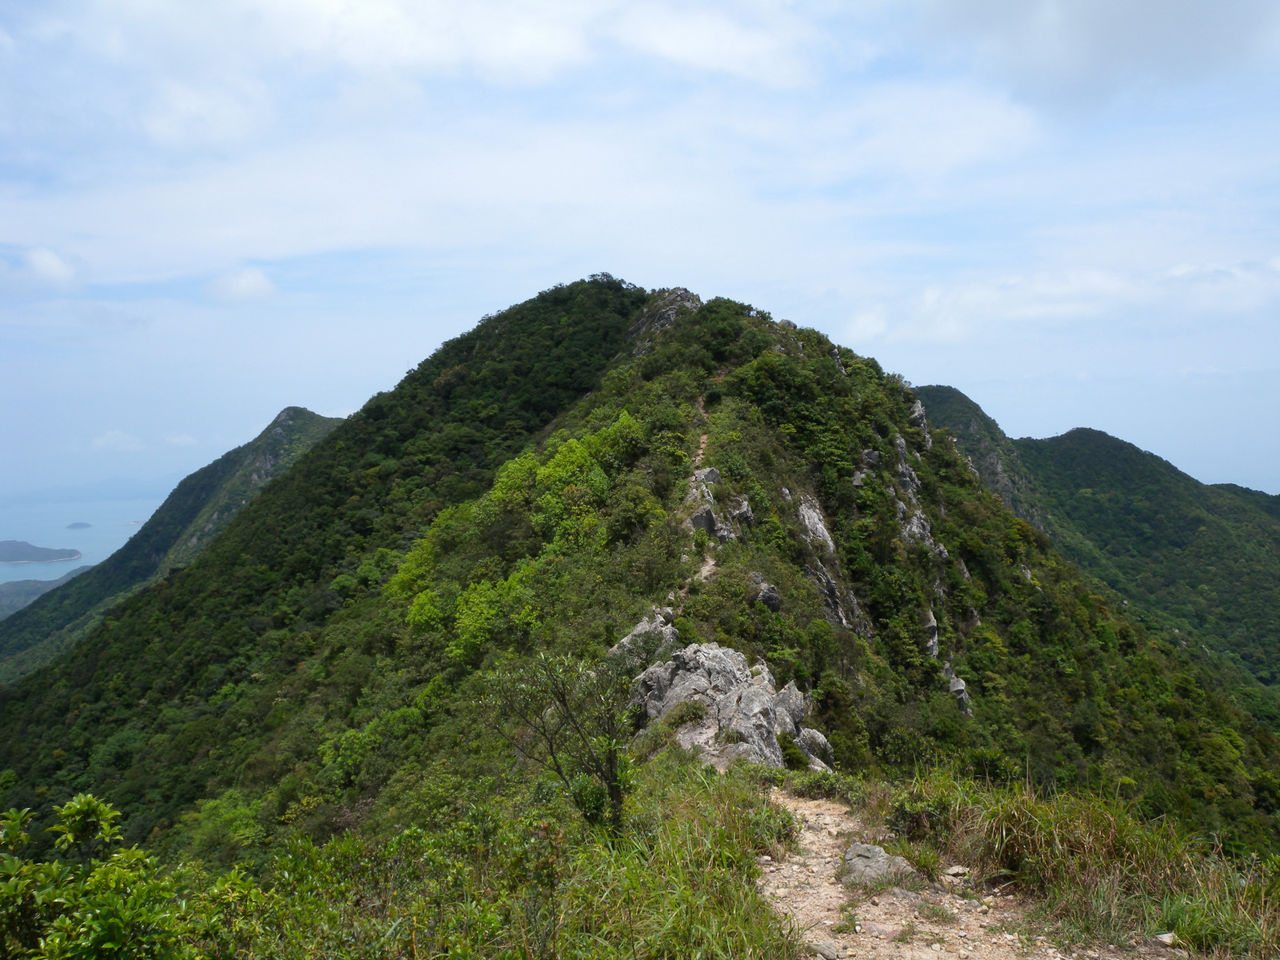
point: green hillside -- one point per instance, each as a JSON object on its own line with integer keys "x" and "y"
{"x": 383, "y": 689}
{"x": 190, "y": 517}
{"x": 1207, "y": 556}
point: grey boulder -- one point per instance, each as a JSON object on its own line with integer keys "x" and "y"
{"x": 745, "y": 712}
{"x": 866, "y": 863}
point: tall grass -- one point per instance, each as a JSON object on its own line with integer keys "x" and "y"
{"x": 679, "y": 884}
{"x": 1100, "y": 872}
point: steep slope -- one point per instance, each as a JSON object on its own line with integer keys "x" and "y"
{"x": 198, "y": 508}
{"x": 331, "y": 662}
{"x": 992, "y": 453}
{"x": 292, "y": 433}
{"x": 1206, "y": 555}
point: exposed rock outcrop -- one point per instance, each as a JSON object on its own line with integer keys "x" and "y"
{"x": 745, "y": 713}
{"x": 815, "y": 528}
{"x": 963, "y": 700}
{"x": 666, "y": 307}
{"x": 654, "y": 631}
{"x": 765, "y": 593}
{"x": 913, "y": 523}
{"x": 931, "y": 633}
{"x": 736, "y": 512}
{"x": 957, "y": 688}
{"x": 704, "y": 518}
{"x": 917, "y": 419}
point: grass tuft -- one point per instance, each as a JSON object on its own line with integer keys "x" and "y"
{"x": 1101, "y": 874}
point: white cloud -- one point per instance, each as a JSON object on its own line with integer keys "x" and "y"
{"x": 868, "y": 325}
{"x": 242, "y": 286}
{"x": 45, "y": 267}
{"x": 928, "y": 130}
{"x": 503, "y": 37}
{"x": 831, "y": 164}
{"x": 987, "y": 309}
{"x": 769, "y": 51}
{"x": 499, "y": 39}
{"x": 117, "y": 441}
{"x": 182, "y": 114}
{"x": 180, "y": 440}
{"x": 1093, "y": 48}
{"x": 1177, "y": 304}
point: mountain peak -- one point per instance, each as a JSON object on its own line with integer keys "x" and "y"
{"x": 536, "y": 488}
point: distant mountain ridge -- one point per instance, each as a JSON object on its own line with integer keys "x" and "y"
{"x": 195, "y": 512}
{"x": 1206, "y": 554}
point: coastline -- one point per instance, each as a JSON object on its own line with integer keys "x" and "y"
{"x": 76, "y": 556}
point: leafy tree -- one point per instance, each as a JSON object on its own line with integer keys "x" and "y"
{"x": 107, "y": 903}
{"x": 574, "y": 719}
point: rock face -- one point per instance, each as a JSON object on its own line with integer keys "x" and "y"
{"x": 655, "y": 629}
{"x": 704, "y": 518}
{"x": 736, "y": 514}
{"x": 764, "y": 592}
{"x": 700, "y": 483}
{"x": 815, "y": 527}
{"x": 739, "y": 510}
{"x": 918, "y": 419}
{"x": 957, "y": 688}
{"x": 665, "y": 309}
{"x": 745, "y": 713}
{"x": 914, "y": 524}
{"x": 867, "y": 863}
{"x": 931, "y": 633}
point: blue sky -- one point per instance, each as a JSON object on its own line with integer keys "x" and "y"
{"x": 1069, "y": 209}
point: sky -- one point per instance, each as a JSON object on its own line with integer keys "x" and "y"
{"x": 1068, "y": 209}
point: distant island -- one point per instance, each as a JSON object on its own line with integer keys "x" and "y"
{"x": 19, "y": 551}
{"x": 79, "y": 525}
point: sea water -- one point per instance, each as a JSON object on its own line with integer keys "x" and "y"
{"x": 111, "y": 523}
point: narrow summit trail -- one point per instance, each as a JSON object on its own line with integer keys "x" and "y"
{"x": 898, "y": 923}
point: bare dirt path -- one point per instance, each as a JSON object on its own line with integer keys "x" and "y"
{"x": 708, "y": 568}
{"x": 902, "y": 924}
{"x": 702, "y": 449}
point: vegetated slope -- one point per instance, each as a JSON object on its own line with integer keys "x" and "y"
{"x": 197, "y": 509}
{"x": 531, "y": 488}
{"x": 17, "y": 594}
{"x": 292, "y": 433}
{"x": 134, "y": 711}
{"x": 1206, "y": 555}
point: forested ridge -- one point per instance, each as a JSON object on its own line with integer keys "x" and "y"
{"x": 316, "y": 699}
{"x": 1204, "y": 556}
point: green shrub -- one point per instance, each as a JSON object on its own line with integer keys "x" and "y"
{"x": 792, "y": 755}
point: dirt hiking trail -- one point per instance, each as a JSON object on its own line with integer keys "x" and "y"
{"x": 836, "y": 921}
